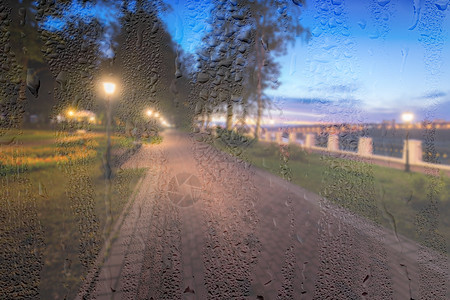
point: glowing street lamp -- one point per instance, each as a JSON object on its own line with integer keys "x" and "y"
{"x": 149, "y": 112}
{"x": 109, "y": 87}
{"x": 71, "y": 113}
{"x": 407, "y": 117}
{"x": 156, "y": 114}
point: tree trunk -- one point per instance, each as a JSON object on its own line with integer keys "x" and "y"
{"x": 202, "y": 124}
{"x": 229, "y": 115}
{"x": 208, "y": 120}
{"x": 260, "y": 61}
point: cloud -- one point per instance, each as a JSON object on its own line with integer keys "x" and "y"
{"x": 320, "y": 102}
{"x": 289, "y": 113}
{"x": 433, "y": 95}
{"x": 338, "y": 88}
{"x": 307, "y": 100}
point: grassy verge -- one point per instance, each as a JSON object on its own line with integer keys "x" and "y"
{"x": 414, "y": 204}
{"x": 56, "y": 209}
{"x": 27, "y": 135}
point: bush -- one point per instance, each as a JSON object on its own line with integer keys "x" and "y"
{"x": 233, "y": 139}
{"x": 266, "y": 150}
{"x": 296, "y": 153}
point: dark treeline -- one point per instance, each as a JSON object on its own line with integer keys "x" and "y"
{"x": 46, "y": 70}
{"x": 51, "y": 69}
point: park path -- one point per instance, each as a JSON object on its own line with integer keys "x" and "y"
{"x": 205, "y": 225}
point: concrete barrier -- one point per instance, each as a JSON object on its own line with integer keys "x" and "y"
{"x": 415, "y": 151}
{"x": 365, "y": 146}
{"x": 365, "y": 149}
{"x": 279, "y": 137}
{"x": 293, "y": 137}
{"x": 310, "y": 140}
{"x": 333, "y": 142}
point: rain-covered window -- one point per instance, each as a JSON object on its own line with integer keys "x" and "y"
{"x": 224, "y": 149}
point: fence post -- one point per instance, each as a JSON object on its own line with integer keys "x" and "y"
{"x": 415, "y": 151}
{"x": 310, "y": 140}
{"x": 279, "y": 137}
{"x": 365, "y": 146}
{"x": 293, "y": 137}
{"x": 333, "y": 142}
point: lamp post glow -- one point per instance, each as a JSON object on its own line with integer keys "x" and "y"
{"x": 407, "y": 117}
{"x": 109, "y": 87}
{"x": 149, "y": 112}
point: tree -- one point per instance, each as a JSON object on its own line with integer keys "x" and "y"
{"x": 11, "y": 105}
{"x": 270, "y": 40}
{"x": 219, "y": 79}
{"x": 150, "y": 67}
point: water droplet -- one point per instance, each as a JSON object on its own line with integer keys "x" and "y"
{"x": 383, "y": 2}
{"x": 33, "y": 82}
{"x": 362, "y": 24}
{"x": 316, "y": 32}
{"x": 442, "y": 4}
{"x": 202, "y": 77}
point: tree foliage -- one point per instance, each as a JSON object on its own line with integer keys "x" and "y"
{"x": 237, "y": 62}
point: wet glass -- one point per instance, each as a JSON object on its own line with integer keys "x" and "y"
{"x": 224, "y": 149}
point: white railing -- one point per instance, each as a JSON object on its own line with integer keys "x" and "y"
{"x": 365, "y": 148}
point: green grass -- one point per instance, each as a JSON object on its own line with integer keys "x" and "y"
{"x": 407, "y": 202}
{"x": 64, "y": 212}
{"x": 154, "y": 140}
{"x": 62, "y": 216}
{"x": 27, "y": 135}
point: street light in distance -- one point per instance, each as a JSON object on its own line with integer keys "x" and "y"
{"x": 70, "y": 113}
{"x": 407, "y": 117}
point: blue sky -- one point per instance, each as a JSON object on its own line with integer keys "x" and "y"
{"x": 366, "y": 60}
{"x": 377, "y": 61}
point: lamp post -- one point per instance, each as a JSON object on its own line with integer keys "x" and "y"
{"x": 407, "y": 117}
{"x": 109, "y": 90}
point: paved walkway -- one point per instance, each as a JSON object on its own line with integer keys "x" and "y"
{"x": 204, "y": 225}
